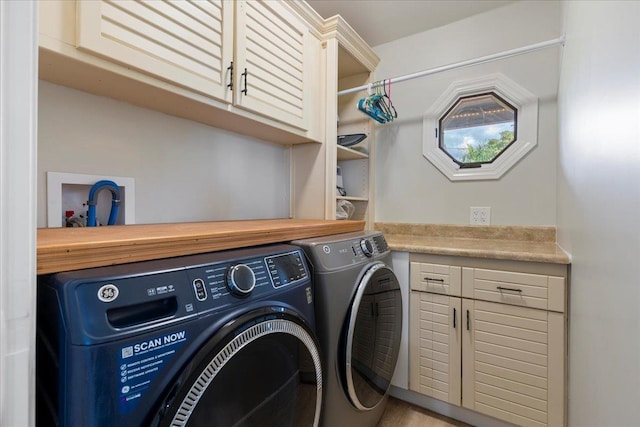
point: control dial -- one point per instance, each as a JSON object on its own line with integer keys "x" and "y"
{"x": 240, "y": 279}
{"x": 366, "y": 247}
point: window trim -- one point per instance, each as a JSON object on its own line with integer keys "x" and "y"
{"x": 526, "y": 105}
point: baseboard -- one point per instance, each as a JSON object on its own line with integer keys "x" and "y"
{"x": 456, "y": 412}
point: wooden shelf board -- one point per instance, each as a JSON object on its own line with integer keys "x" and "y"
{"x": 345, "y": 153}
{"x": 63, "y": 249}
{"x": 353, "y": 198}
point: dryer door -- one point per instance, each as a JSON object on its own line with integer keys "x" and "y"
{"x": 373, "y": 337}
{"x": 264, "y": 370}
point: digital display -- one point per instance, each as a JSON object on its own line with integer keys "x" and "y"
{"x": 290, "y": 265}
{"x": 286, "y": 268}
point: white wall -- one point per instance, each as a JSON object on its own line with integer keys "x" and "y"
{"x": 598, "y": 208}
{"x": 183, "y": 170}
{"x": 18, "y": 112}
{"x": 408, "y": 187}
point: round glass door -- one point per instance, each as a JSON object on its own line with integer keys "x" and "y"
{"x": 373, "y": 337}
{"x": 266, "y": 374}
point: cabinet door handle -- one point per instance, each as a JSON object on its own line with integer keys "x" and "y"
{"x": 245, "y": 81}
{"x": 501, "y": 288}
{"x": 468, "y": 321}
{"x": 230, "y": 69}
{"x": 431, "y": 279}
{"x": 454, "y": 318}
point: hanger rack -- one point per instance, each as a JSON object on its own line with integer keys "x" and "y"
{"x": 476, "y": 61}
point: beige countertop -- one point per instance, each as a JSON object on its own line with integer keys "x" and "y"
{"x": 536, "y": 244}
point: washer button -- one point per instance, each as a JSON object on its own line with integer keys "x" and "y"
{"x": 240, "y": 279}
{"x": 199, "y": 288}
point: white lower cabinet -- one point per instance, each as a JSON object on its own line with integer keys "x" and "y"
{"x": 498, "y": 356}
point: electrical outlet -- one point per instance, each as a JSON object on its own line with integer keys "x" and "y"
{"x": 480, "y": 216}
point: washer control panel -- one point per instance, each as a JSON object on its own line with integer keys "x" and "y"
{"x": 220, "y": 284}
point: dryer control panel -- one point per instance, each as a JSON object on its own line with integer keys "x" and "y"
{"x": 349, "y": 251}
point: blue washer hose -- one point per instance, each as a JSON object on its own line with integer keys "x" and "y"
{"x": 115, "y": 201}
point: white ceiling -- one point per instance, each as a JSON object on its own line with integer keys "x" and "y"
{"x": 381, "y": 21}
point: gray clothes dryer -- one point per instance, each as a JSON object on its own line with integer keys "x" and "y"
{"x": 359, "y": 323}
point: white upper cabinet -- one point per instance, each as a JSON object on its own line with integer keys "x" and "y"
{"x": 271, "y": 56}
{"x": 248, "y": 66}
{"x": 186, "y": 43}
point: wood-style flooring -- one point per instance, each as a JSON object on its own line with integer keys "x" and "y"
{"x": 402, "y": 414}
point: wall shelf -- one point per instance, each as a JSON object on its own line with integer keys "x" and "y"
{"x": 345, "y": 153}
{"x": 348, "y": 62}
{"x": 353, "y": 198}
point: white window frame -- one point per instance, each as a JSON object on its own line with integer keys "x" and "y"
{"x": 527, "y": 133}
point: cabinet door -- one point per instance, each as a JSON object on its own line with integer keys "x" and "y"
{"x": 513, "y": 363}
{"x": 271, "y": 57}
{"x": 434, "y": 346}
{"x": 187, "y": 43}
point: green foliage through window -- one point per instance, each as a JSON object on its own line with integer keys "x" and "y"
{"x": 489, "y": 150}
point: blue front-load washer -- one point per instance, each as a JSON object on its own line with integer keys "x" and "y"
{"x": 219, "y": 339}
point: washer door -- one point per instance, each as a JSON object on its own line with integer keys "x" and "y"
{"x": 373, "y": 337}
{"x": 265, "y": 371}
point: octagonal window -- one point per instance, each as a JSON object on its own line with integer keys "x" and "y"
{"x": 477, "y": 129}
{"x": 480, "y": 128}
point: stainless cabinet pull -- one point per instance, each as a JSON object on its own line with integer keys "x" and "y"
{"x": 454, "y": 318}
{"x": 431, "y": 279}
{"x": 245, "y": 81}
{"x": 501, "y": 288}
{"x": 230, "y": 69}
